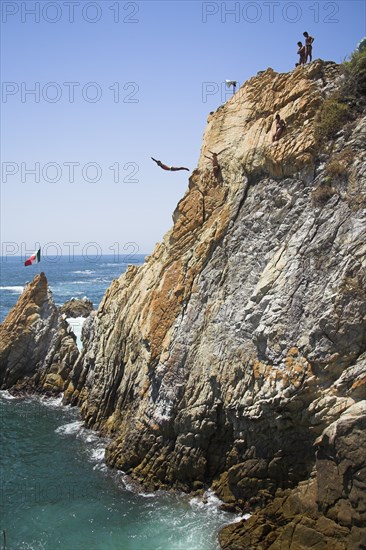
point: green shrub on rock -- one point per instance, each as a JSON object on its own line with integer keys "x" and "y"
{"x": 349, "y": 99}
{"x": 331, "y": 118}
{"x": 355, "y": 70}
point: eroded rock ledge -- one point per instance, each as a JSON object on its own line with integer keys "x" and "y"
{"x": 234, "y": 358}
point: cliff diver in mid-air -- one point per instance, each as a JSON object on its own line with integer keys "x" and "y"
{"x": 171, "y": 168}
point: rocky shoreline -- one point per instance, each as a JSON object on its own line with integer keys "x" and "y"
{"x": 235, "y": 357}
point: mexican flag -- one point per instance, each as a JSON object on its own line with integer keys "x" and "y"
{"x": 34, "y": 259}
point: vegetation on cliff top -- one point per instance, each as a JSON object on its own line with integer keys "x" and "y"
{"x": 339, "y": 108}
{"x": 355, "y": 70}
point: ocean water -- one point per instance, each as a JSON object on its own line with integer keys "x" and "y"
{"x": 55, "y": 490}
{"x": 68, "y": 277}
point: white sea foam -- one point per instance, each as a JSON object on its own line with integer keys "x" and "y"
{"x": 240, "y": 518}
{"x": 35, "y": 545}
{"x": 84, "y": 272}
{"x": 95, "y": 446}
{"x": 76, "y": 324}
{"x": 127, "y": 485}
{"x": 101, "y": 467}
{"x": 208, "y": 501}
{"x": 14, "y": 289}
{"x": 6, "y": 395}
{"x": 98, "y": 454}
{"x": 91, "y": 437}
{"x": 84, "y": 282}
{"x": 71, "y": 428}
{"x": 52, "y": 402}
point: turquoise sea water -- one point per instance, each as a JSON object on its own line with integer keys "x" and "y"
{"x": 55, "y": 490}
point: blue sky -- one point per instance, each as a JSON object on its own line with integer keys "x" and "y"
{"x": 159, "y": 56}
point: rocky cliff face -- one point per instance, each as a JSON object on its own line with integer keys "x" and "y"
{"x": 37, "y": 350}
{"x": 225, "y": 359}
{"x": 235, "y": 357}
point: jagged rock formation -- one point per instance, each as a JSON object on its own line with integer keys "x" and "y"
{"x": 235, "y": 356}
{"x": 36, "y": 349}
{"x": 77, "y": 308}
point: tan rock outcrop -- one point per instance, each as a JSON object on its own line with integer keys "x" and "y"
{"x": 244, "y": 126}
{"x": 36, "y": 349}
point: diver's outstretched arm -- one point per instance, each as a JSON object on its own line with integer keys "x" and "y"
{"x": 159, "y": 163}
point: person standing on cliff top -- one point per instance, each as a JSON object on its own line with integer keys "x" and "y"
{"x": 280, "y": 127}
{"x": 301, "y": 53}
{"x": 308, "y": 47}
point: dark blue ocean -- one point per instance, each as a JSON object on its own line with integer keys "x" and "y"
{"x": 55, "y": 490}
